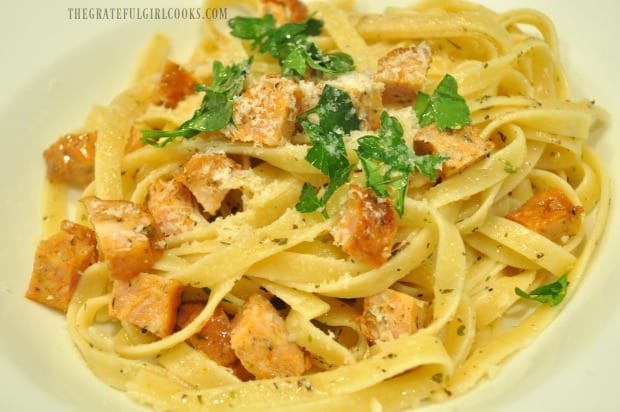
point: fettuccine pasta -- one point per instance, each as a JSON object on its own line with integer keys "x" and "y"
{"x": 238, "y": 298}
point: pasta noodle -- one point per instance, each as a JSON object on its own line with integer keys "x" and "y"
{"x": 458, "y": 252}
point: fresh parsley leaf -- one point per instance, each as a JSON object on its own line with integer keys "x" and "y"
{"x": 388, "y": 161}
{"x": 445, "y": 106}
{"x": 289, "y": 44}
{"x": 215, "y": 111}
{"x": 336, "y": 118}
{"x": 250, "y": 28}
{"x": 333, "y": 63}
{"x": 308, "y": 200}
{"x": 295, "y": 60}
{"x": 552, "y": 293}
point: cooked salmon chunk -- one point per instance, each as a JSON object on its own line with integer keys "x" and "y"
{"x": 58, "y": 263}
{"x": 174, "y": 85}
{"x": 390, "y": 315}
{"x": 71, "y": 159}
{"x": 214, "y": 337}
{"x": 260, "y": 340}
{"x": 172, "y": 206}
{"x": 366, "y": 95}
{"x": 403, "y": 72}
{"x": 367, "y": 228}
{"x": 285, "y": 11}
{"x": 265, "y": 114}
{"x": 126, "y": 234}
{"x": 308, "y": 95}
{"x": 210, "y": 177}
{"x": 134, "y": 140}
{"x": 550, "y": 213}
{"x": 463, "y": 147}
{"x": 147, "y": 301}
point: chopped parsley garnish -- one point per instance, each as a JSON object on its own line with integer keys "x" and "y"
{"x": 289, "y": 44}
{"x": 509, "y": 167}
{"x": 445, "y": 106}
{"x": 208, "y": 292}
{"x": 437, "y": 378}
{"x": 552, "y": 293}
{"x": 388, "y": 161}
{"x": 216, "y": 109}
{"x": 336, "y": 118}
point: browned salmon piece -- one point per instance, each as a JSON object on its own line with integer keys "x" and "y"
{"x": 403, "y": 72}
{"x": 147, "y": 301}
{"x": 265, "y": 114}
{"x": 172, "y": 206}
{"x": 71, "y": 159}
{"x": 390, "y": 315}
{"x": 367, "y": 228}
{"x": 463, "y": 147}
{"x": 126, "y": 234}
{"x": 240, "y": 372}
{"x": 58, "y": 263}
{"x": 366, "y": 95}
{"x": 308, "y": 94}
{"x": 209, "y": 177}
{"x": 214, "y": 337}
{"x": 550, "y": 213}
{"x": 285, "y": 11}
{"x": 260, "y": 340}
{"x": 134, "y": 141}
{"x": 174, "y": 85}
